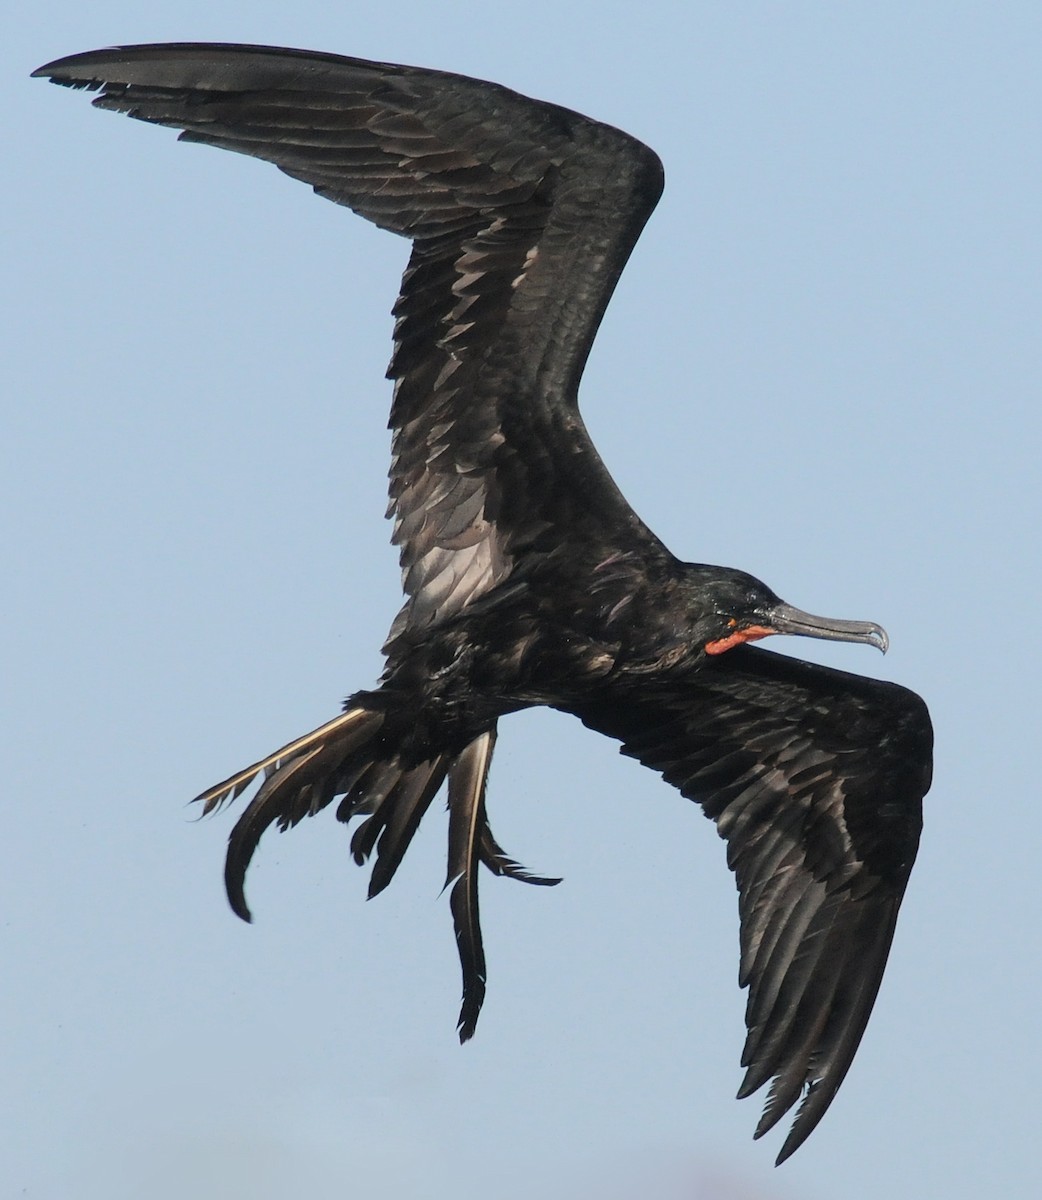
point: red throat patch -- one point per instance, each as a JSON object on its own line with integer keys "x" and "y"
{"x": 752, "y": 633}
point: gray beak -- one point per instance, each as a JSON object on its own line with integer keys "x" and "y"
{"x": 785, "y": 618}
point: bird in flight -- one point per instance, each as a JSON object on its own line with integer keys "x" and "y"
{"x": 528, "y": 579}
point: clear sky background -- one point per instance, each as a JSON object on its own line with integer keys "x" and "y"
{"x": 822, "y": 365}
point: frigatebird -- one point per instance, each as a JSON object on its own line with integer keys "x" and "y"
{"x": 528, "y": 579}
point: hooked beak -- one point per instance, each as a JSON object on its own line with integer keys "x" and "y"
{"x": 785, "y": 618}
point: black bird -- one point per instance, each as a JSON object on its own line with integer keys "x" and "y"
{"x": 528, "y": 579}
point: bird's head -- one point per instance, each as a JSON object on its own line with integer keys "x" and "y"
{"x": 729, "y": 607}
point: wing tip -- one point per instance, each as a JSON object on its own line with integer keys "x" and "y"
{"x": 70, "y": 70}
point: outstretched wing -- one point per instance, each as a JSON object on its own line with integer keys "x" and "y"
{"x": 522, "y": 216}
{"x": 815, "y": 779}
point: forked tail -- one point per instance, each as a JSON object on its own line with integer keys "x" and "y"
{"x": 349, "y": 757}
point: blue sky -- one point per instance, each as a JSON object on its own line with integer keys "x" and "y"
{"x": 822, "y": 365}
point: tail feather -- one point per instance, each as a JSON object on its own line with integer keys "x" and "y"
{"x": 300, "y": 778}
{"x": 407, "y": 805}
{"x": 263, "y": 810}
{"x": 468, "y": 776}
{"x": 361, "y": 794}
{"x": 496, "y": 859}
{"x": 369, "y": 796}
{"x": 360, "y": 722}
{"x": 355, "y": 757}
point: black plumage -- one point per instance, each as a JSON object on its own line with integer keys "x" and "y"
{"x": 528, "y": 579}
